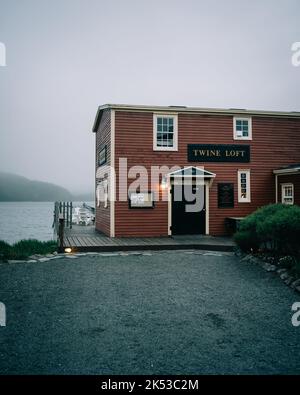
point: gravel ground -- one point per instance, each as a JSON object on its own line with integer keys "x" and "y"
{"x": 158, "y": 313}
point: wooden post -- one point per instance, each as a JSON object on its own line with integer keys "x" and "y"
{"x": 71, "y": 209}
{"x": 61, "y": 232}
{"x": 68, "y": 223}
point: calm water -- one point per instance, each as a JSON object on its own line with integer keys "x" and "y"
{"x": 26, "y": 220}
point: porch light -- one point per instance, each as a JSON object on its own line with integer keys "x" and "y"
{"x": 164, "y": 183}
{"x": 68, "y": 250}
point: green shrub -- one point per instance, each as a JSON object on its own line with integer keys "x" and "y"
{"x": 246, "y": 240}
{"x": 5, "y": 249}
{"x": 24, "y": 248}
{"x": 276, "y": 226}
{"x": 283, "y": 229}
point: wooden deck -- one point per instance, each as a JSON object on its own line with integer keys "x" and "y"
{"x": 85, "y": 238}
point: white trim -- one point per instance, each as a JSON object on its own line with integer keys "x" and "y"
{"x": 248, "y": 192}
{"x": 169, "y": 207}
{"x": 287, "y": 184}
{"x": 112, "y": 174}
{"x": 249, "y": 119}
{"x": 207, "y": 175}
{"x": 202, "y": 110}
{"x": 291, "y": 171}
{"x": 207, "y": 184}
{"x": 175, "y": 131}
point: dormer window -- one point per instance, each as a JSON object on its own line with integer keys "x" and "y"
{"x": 165, "y": 132}
{"x": 242, "y": 128}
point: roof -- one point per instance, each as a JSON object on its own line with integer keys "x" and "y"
{"x": 288, "y": 169}
{"x": 197, "y": 110}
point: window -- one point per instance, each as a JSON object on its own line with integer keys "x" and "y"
{"x": 244, "y": 186}
{"x": 165, "y": 132}
{"x": 102, "y": 156}
{"x": 242, "y": 128}
{"x": 287, "y": 193}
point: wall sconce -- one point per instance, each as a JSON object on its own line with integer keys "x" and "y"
{"x": 164, "y": 183}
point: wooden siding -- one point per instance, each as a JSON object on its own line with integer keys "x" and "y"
{"x": 103, "y": 136}
{"x": 275, "y": 143}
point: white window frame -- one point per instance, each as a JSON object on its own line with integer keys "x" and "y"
{"x": 235, "y": 136}
{"x": 283, "y": 186}
{"x": 175, "y": 132}
{"x": 241, "y": 199}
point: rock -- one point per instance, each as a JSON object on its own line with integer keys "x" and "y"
{"x": 268, "y": 267}
{"x": 246, "y": 258}
{"x": 15, "y": 261}
{"x": 289, "y": 280}
{"x": 295, "y": 284}
{"x": 254, "y": 260}
{"x": 284, "y": 276}
{"x": 71, "y": 256}
{"x": 281, "y": 271}
{"x": 211, "y": 254}
{"x": 44, "y": 259}
{"x": 32, "y": 261}
{"x": 35, "y": 256}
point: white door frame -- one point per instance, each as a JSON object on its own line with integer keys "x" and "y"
{"x": 207, "y": 184}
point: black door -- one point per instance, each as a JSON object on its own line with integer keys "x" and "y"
{"x": 183, "y": 222}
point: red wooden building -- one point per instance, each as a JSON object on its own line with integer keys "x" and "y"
{"x": 243, "y": 159}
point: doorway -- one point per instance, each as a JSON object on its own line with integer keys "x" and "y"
{"x": 183, "y": 221}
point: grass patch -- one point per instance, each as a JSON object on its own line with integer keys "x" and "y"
{"x": 24, "y": 248}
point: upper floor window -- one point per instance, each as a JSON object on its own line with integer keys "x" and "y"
{"x": 287, "y": 193}
{"x": 165, "y": 132}
{"x": 244, "y": 186}
{"x": 242, "y": 128}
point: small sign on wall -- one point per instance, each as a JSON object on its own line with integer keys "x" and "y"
{"x": 141, "y": 200}
{"x": 225, "y": 195}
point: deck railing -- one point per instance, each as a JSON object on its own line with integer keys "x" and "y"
{"x": 62, "y": 213}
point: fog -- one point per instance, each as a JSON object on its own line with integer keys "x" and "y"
{"x": 64, "y": 58}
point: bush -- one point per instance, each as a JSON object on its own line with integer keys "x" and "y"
{"x": 24, "y": 248}
{"x": 247, "y": 240}
{"x": 276, "y": 226}
{"x": 5, "y": 249}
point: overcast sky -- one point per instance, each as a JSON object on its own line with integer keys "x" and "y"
{"x": 66, "y": 57}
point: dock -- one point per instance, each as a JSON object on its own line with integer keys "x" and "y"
{"x": 86, "y": 238}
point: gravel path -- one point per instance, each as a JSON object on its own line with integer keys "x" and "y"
{"x": 158, "y": 313}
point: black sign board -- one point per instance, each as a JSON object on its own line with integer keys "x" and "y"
{"x": 225, "y": 195}
{"x": 218, "y": 153}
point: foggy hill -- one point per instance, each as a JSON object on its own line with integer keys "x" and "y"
{"x": 17, "y": 188}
